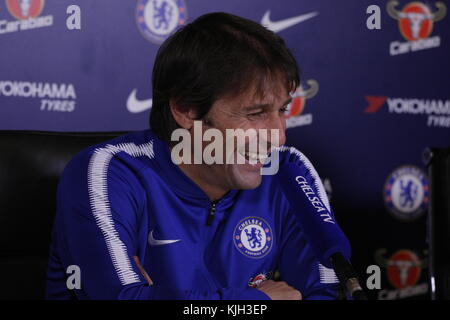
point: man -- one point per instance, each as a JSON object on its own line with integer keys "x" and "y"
{"x": 139, "y": 226}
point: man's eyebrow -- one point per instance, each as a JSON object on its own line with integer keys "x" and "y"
{"x": 265, "y": 105}
{"x": 257, "y": 106}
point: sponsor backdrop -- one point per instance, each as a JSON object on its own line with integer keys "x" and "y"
{"x": 374, "y": 93}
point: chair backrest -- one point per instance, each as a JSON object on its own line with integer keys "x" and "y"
{"x": 438, "y": 224}
{"x": 30, "y": 165}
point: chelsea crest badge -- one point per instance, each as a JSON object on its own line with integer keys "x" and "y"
{"x": 253, "y": 237}
{"x": 158, "y": 19}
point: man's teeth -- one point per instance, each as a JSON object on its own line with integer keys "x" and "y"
{"x": 255, "y": 156}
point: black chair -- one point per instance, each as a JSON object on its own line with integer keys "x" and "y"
{"x": 30, "y": 165}
{"x": 438, "y": 163}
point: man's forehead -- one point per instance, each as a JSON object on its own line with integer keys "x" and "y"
{"x": 254, "y": 99}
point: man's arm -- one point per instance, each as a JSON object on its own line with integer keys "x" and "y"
{"x": 97, "y": 225}
{"x": 300, "y": 268}
{"x": 299, "y": 265}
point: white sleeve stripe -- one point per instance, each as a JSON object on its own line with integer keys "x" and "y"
{"x": 98, "y": 195}
{"x": 327, "y": 275}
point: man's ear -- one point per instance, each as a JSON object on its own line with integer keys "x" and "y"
{"x": 183, "y": 116}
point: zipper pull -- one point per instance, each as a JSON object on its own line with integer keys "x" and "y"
{"x": 212, "y": 212}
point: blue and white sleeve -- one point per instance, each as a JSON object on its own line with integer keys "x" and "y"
{"x": 99, "y": 207}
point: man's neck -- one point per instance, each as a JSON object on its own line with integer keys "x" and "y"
{"x": 194, "y": 172}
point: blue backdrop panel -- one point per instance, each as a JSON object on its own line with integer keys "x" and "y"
{"x": 370, "y": 100}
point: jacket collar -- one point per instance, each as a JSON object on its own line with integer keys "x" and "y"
{"x": 182, "y": 185}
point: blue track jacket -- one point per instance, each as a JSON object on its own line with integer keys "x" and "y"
{"x": 125, "y": 198}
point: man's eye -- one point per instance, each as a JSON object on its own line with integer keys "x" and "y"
{"x": 256, "y": 114}
{"x": 285, "y": 109}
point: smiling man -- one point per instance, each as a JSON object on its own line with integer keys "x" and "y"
{"x": 139, "y": 226}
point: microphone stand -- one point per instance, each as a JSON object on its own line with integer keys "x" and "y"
{"x": 347, "y": 276}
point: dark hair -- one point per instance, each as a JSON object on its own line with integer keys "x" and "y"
{"x": 216, "y": 55}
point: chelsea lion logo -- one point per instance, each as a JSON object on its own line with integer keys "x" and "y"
{"x": 406, "y": 193}
{"x": 158, "y": 19}
{"x": 253, "y": 237}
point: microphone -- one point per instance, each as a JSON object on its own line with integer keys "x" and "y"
{"x": 307, "y": 197}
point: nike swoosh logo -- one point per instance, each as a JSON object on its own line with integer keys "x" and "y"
{"x": 135, "y": 106}
{"x": 153, "y": 242}
{"x": 277, "y": 26}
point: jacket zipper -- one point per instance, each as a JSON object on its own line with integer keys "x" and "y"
{"x": 211, "y": 214}
{"x": 206, "y": 234}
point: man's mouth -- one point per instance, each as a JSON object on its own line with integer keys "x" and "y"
{"x": 254, "y": 157}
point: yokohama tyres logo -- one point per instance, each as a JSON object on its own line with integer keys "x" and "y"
{"x": 437, "y": 111}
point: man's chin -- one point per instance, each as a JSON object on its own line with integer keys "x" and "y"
{"x": 247, "y": 179}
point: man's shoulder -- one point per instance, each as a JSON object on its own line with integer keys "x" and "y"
{"x": 129, "y": 143}
{"x": 131, "y": 140}
{"x": 125, "y": 153}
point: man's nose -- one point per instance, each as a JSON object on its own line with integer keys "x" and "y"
{"x": 277, "y": 122}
